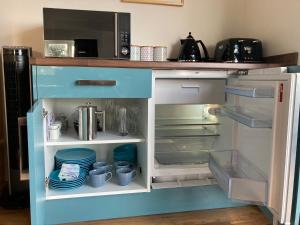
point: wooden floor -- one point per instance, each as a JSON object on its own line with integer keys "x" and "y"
{"x": 231, "y": 216}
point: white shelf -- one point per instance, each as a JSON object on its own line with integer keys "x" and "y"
{"x": 182, "y": 157}
{"x": 248, "y": 118}
{"x": 252, "y": 92}
{"x": 111, "y": 188}
{"x": 71, "y": 138}
{"x": 185, "y": 131}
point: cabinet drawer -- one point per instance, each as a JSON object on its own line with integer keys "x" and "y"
{"x": 189, "y": 91}
{"x": 91, "y": 82}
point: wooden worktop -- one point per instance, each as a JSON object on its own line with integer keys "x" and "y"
{"x": 270, "y": 62}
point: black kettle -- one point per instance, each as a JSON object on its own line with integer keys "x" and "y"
{"x": 190, "y": 51}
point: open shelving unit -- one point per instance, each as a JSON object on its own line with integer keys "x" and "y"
{"x": 103, "y": 144}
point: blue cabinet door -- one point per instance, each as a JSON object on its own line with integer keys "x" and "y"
{"x": 91, "y": 82}
{"x": 36, "y": 164}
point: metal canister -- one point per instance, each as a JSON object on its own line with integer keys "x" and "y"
{"x": 87, "y": 122}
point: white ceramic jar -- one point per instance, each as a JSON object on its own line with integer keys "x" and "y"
{"x": 160, "y": 53}
{"x": 146, "y": 53}
{"x": 135, "y": 53}
{"x": 54, "y": 130}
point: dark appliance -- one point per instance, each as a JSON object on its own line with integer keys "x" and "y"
{"x": 190, "y": 50}
{"x": 239, "y": 50}
{"x": 111, "y": 30}
{"x": 17, "y": 101}
{"x": 86, "y": 48}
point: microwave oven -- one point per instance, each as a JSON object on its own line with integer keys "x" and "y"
{"x": 84, "y": 33}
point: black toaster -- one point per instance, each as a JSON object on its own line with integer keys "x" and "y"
{"x": 239, "y": 50}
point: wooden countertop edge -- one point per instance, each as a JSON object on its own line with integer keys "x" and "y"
{"x": 287, "y": 60}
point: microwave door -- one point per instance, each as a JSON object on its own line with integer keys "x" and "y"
{"x": 106, "y": 42}
{"x": 82, "y": 25}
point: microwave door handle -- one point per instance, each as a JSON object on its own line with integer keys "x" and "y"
{"x": 116, "y": 34}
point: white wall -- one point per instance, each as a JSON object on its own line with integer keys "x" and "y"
{"x": 273, "y": 21}
{"x": 209, "y": 20}
{"x": 276, "y": 22}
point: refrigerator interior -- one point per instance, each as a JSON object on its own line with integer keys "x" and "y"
{"x": 230, "y": 139}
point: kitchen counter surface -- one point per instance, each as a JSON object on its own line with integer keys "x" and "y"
{"x": 270, "y": 62}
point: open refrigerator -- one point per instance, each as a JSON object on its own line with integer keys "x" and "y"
{"x": 237, "y": 131}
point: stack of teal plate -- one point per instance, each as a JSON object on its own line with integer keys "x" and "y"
{"x": 84, "y": 157}
{"x": 56, "y": 183}
{"x": 127, "y": 152}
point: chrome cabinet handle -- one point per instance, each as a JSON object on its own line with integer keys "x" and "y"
{"x": 96, "y": 82}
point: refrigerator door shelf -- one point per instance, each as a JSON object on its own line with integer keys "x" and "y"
{"x": 246, "y": 117}
{"x": 251, "y": 91}
{"x": 238, "y": 177}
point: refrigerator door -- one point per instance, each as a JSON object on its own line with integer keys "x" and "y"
{"x": 265, "y": 107}
{"x": 291, "y": 209}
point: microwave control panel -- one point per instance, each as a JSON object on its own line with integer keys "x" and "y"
{"x": 124, "y": 35}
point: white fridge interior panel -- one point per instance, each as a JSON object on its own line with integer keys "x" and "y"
{"x": 185, "y": 114}
{"x": 189, "y": 91}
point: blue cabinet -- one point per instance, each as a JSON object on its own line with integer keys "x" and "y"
{"x": 63, "y": 86}
{"x": 91, "y": 82}
{"x": 36, "y": 164}
{"x": 51, "y": 84}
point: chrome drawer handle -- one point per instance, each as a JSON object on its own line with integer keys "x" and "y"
{"x": 95, "y": 82}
